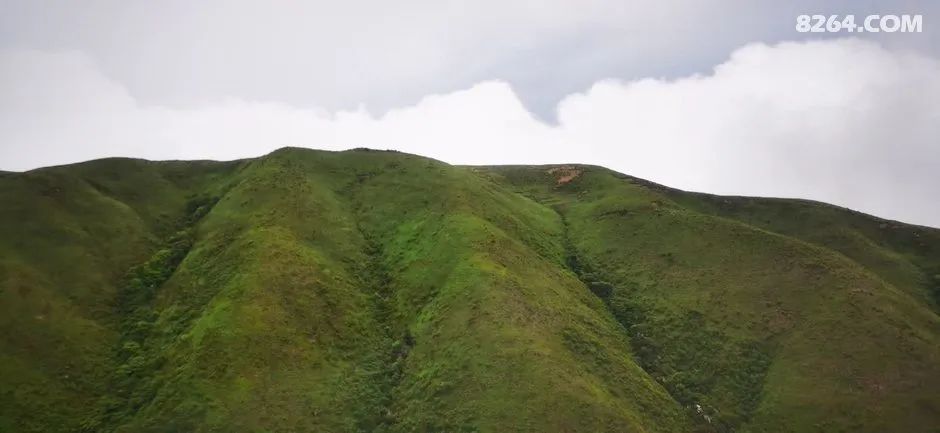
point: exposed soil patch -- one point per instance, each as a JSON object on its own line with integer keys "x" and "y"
{"x": 564, "y": 174}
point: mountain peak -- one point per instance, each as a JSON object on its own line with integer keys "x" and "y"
{"x": 370, "y": 290}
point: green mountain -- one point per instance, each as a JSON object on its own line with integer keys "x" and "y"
{"x": 379, "y": 291}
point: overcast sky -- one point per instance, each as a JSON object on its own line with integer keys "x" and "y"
{"x": 716, "y": 96}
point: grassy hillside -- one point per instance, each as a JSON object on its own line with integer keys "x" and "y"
{"x": 769, "y": 315}
{"x": 379, "y": 291}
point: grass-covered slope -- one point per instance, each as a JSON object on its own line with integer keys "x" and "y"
{"x": 379, "y": 291}
{"x": 67, "y": 237}
{"x": 761, "y": 314}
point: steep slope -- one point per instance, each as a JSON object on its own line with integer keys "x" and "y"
{"x": 768, "y": 314}
{"x": 379, "y": 291}
{"x": 292, "y": 294}
{"x": 505, "y": 338}
{"x": 67, "y": 237}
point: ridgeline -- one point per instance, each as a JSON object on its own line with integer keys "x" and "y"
{"x": 373, "y": 291}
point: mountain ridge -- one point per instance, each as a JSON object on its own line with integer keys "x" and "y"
{"x": 380, "y": 291}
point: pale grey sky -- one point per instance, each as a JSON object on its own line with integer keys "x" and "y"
{"x": 715, "y": 96}
{"x": 340, "y": 54}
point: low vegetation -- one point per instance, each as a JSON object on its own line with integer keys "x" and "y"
{"x": 383, "y": 292}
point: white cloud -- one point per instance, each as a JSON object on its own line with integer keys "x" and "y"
{"x": 320, "y": 53}
{"x": 843, "y": 121}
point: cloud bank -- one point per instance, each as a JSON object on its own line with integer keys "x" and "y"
{"x": 843, "y": 121}
{"x": 321, "y": 53}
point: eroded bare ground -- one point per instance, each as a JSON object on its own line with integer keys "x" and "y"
{"x": 564, "y": 174}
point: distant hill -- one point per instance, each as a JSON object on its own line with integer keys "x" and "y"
{"x": 385, "y": 292}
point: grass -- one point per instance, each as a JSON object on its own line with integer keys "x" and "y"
{"x": 380, "y": 291}
{"x": 764, "y": 326}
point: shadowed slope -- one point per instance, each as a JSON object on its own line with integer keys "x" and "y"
{"x": 66, "y": 241}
